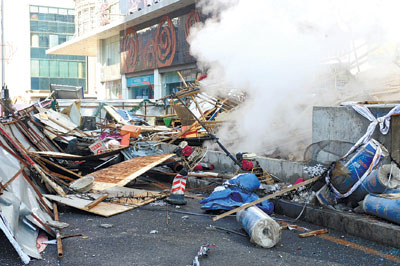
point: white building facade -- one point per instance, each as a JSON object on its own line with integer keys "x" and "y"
{"x": 138, "y": 49}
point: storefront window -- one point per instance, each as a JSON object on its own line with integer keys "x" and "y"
{"x": 141, "y": 87}
{"x": 142, "y": 92}
{"x": 173, "y": 83}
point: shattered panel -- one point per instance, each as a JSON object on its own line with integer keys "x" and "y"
{"x": 123, "y": 173}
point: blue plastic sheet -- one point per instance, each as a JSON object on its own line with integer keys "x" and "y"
{"x": 234, "y": 193}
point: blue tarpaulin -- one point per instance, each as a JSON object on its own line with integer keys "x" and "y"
{"x": 234, "y": 193}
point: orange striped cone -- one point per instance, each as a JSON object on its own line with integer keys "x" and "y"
{"x": 178, "y": 190}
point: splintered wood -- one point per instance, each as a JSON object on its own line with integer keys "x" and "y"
{"x": 140, "y": 199}
{"x": 314, "y": 233}
{"x": 120, "y": 200}
{"x": 103, "y": 208}
{"x": 122, "y": 173}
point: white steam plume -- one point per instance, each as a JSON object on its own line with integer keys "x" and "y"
{"x": 277, "y": 51}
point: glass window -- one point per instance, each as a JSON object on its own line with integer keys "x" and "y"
{"x": 73, "y": 69}
{"x": 34, "y": 40}
{"x": 81, "y": 70}
{"x": 61, "y": 28}
{"x": 53, "y": 40}
{"x": 53, "y": 10}
{"x": 34, "y": 25}
{"x": 42, "y": 26}
{"x": 142, "y": 92}
{"x": 43, "y": 68}
{"x": 70, "y": 19}
{"x": 34, "y": 83}
{"x": 63, "y": 69}
{"x": 34, "y": 68}
{"x": 43, "y": 40}
{"x": 62, "y": 38}
{"x": 34, "y": 16}
{"x": 43, "y": 9}
{"x": 82, "y": 82}
{"x": 34, "y": 9}
{"x": 52, "y": 27}
{"x": 51, "y": 17}
{"x": 70, "y": 28}
{"x": 71, "y": 12}
{"x": 38, "y": 53}
{"x": 62, "y": 11}
{"x": 53, "y": 68}
{"x": 44, "y": 84}
{"x": 42, "y": 16}
{"x": 69, "y": 37}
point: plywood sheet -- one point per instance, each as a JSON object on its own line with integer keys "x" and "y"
{"x": 46, "y": 114}
{"x": 114, "y": 114}
{"x": 122, "y": 173}
{"x": 103, "y": 208}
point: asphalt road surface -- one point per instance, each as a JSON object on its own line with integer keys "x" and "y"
{"x": 129, "y": 242}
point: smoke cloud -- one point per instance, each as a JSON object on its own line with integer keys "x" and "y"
{"x": 289, "y": 56}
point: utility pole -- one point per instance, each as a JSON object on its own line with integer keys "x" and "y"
{"x": 3, "y": 82}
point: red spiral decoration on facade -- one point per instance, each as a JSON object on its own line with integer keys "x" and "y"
{"x": 149, "y": 55}
{"x": 192, "y": 18}
{"x": 165, "y": 42}
{"x": 129, "y": 51}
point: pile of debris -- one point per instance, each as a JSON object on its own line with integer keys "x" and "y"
{"x": 55, "y": 156}
{"x": 61, "y": 156}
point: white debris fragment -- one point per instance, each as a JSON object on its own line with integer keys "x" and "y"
{"x": 106, "y": 225}
{"x": 153, "y": 232}
{"x": 315, "y": 170}
{"x": 160, "y": 203}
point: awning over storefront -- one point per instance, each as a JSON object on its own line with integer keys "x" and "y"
{"x": 86, "y": 45}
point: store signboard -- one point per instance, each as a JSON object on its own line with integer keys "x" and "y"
{"x": 140, "y": 81}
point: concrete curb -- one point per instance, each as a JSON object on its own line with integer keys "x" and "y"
{"x": 360, "y": 225}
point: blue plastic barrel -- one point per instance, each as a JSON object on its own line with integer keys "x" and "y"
{"x": 358, "y": 164}
{"x": 371, "y": 184}
{"x": 388, "y": 209}
{"x": 325, "y": 196}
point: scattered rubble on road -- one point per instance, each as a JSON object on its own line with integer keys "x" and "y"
{"x": 114, "y": 163}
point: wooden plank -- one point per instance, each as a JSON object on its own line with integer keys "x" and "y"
{"x": 140, "y": 198}
{"x": 314, "y": 233}
{"x": 67, "y": 156}
{"x": 114, "y": 114}
{"x": 103, "y": 208}
{"x": 96, "y": 202}
{"x": 276, "y": 194}
{"x": 122, "y": 173}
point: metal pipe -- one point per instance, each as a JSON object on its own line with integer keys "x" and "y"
{"x": 3, "y": 82}
{"x": 60, "y": 252}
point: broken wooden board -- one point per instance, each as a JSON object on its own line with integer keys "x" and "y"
{"x": 313, "y": 233}
{"x": 114, "y": 114}
{"x": 122, "y": 173}
{"x": 103, "y": 208}
{"x": 133, "y": 197}
{"x": 67, "y": 156}
{"x": 47, "y": 115}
